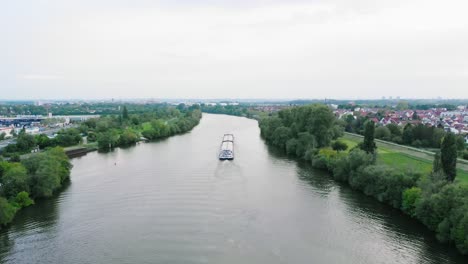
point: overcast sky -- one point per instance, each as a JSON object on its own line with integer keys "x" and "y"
{"x": 61, "y": 49}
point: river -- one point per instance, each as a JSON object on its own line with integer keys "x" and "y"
{"x": 173, "y": 201}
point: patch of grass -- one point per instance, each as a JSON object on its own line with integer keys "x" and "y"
{"x": 403, "y": 161}
{"x": 91, "y": 146}
{"x": 462, "y": 177}
{"x": 351, "y": 144}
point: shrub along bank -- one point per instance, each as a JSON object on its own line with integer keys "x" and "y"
{"x": 307, "y": 133}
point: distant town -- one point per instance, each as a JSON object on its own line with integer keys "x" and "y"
{"x": 455, "y": 121}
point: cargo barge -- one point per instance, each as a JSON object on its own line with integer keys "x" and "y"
{"x": 227, "y": 147}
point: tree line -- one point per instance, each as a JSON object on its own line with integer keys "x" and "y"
{"x": 78, "y": 108}
{"x": 123, "y": 129}
{"x": 128, "y": 128}
{"x": 234, "y": 110}
{"x": 312, "y": 133}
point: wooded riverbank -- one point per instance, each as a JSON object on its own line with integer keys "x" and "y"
{"x": 308, "y": 132}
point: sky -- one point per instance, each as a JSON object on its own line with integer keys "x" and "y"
{"x": 294, "y": 49}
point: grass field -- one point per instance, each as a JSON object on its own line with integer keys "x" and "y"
{"x": 350, "y": 142}
{"x": 403, "y": 160}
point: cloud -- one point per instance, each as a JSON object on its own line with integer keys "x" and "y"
{"x": 40, "y": 77}
{"x": 257, "y": 48}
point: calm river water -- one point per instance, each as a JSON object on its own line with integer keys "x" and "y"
{"x": 173, "y": 202}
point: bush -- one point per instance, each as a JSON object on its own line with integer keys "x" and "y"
{"x": 397, "y": 139}
{"x": 22, "y": 200}
{"x": 320, "y": 162}
{"x": 350, "y": 163}
{"x": 383, "y": 182}
{"x": 15, "y": 157}
{"x": 410, "y": 198}
{"x": 383, "y": 132}
{"x": 339, "y": 146}
{"x": 445, "y": 210}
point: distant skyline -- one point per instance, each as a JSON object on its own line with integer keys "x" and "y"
{"x": 296, "y": 49}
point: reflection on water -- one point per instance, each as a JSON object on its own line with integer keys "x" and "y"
{"x": 172, "y": 201}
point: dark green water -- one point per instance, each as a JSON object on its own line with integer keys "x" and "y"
{"x": 174, "y": 202}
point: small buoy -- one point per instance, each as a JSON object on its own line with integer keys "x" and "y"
{"x": 115, "y": 163}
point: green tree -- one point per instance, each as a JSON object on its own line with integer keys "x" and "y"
{"x": 15, "y": 180}
{"x": 348, "y": 164}
{"x": 383, "y": 132}
{"x": 304, "y": 142}
{"x": 48, "y": 171}
{"x": 339, "y": 146}
{"x": 291, "y": 146}
{"x": 369, "y": 143}
{"x": 64, "y": 168}
{"x": 281, "y": 136}
{"x": 437, "y": 163}
{"x": 47, "y": 178}
{"x": 68, "y": 137}
{"x": 402, "y": 105}
{"x": 319, "y": 123}
{"x": 107, "y": 140}
{"x": 125, "y": 113}
{"x": 408, "y": 134}
{"x": 22, "y": 200}
{"x": 411, "y": 197}
{"x": 25, "y": 142}
{"x": 394, "y": 129}
{"x": 448, "y": 156}
{"x": 92, "y": 137}
{"x": 437, "y": 137}
{"x": 43, "y": 141}
{"x": 127, "y": 137}
{"x": 7, "y": 211}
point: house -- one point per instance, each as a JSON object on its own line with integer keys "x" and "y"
{"x": 453, "y": 130}
{"x": 7, "y": 130}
